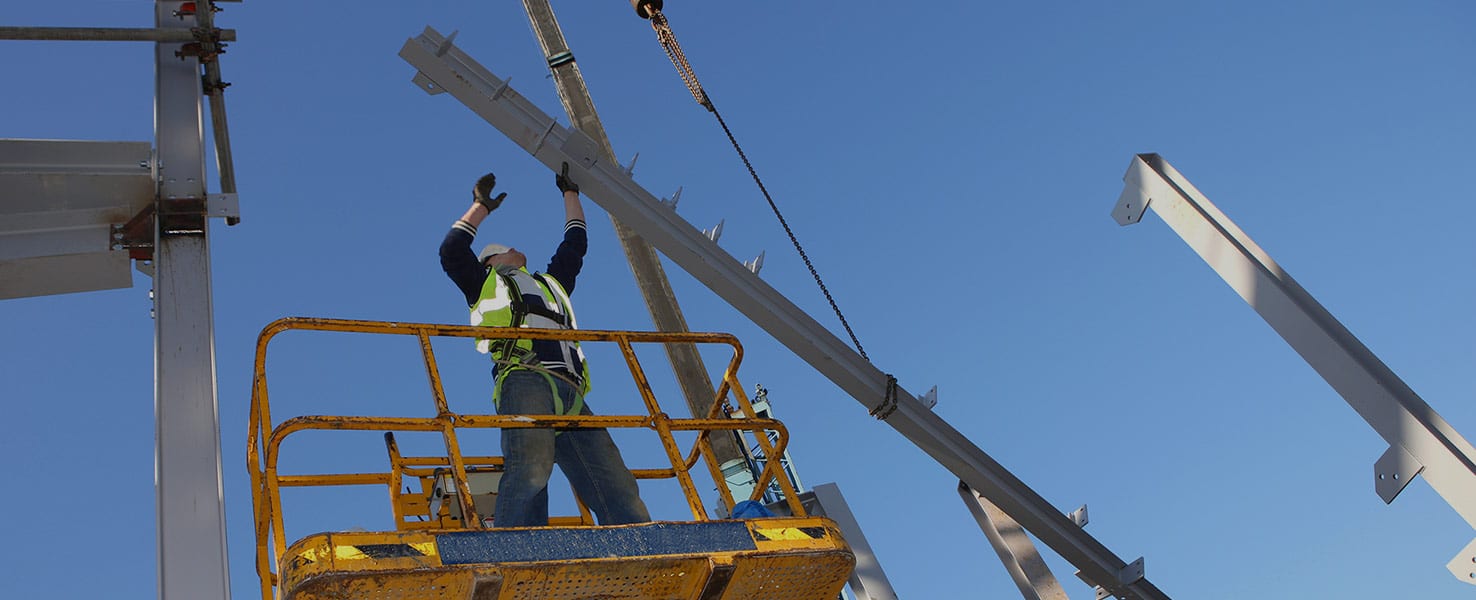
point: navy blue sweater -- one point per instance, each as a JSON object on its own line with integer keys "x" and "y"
{"x": 461, "y": 265}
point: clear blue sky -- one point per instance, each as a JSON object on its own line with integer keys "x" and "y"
{"x": 950, "y": 165}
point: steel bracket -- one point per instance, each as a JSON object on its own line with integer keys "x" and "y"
{"x": 930, "y": 399}
{"x": 1393, "y": 471}
{"x": 1133, "y": 201}
{"x": 1463, "y": 566}
{"x": 1079, "y": 516}
{"x": 223, "y": 206}
{"x": 1129, "y": 575}
{"x": 424, "y": 82}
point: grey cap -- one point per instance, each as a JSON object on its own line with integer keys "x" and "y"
{"x": 491, "y": 250}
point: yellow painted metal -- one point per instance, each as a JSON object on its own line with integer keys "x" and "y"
{"x": 795, "y": 559}
{"x": 665, "y": 577}
{"x": 396, "y": 477}
{"x": 320, "y": 567}
{"x": 772, "y": 468}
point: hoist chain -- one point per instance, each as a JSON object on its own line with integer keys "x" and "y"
{"x": 678, "y": 60}
{"x": 674, "y": 52}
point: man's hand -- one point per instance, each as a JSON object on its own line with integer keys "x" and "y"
{"x": 493, "y": 203}
{"x": 482, "y": 193}
{"x": 565, "y": 184}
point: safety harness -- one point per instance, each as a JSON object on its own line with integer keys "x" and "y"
{"x": 516, "y": 354}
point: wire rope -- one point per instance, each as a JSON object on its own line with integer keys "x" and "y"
{"x": 679, "y": 60}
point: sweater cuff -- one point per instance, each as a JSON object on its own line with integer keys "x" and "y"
{"x": 574, "y": 223}
{"x": 464, "y": 226}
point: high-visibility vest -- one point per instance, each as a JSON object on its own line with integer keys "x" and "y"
{"x": 503, "y": 303}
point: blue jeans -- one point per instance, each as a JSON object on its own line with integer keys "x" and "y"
{"x": 588, "y": 458}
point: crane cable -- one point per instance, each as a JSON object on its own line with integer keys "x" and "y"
{"x": 679, "y": 60}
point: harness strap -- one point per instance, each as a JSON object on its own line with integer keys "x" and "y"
{"x": 543, "y": 311}
{"x": 513, "y": 357}
{"x": 574, "y": 408}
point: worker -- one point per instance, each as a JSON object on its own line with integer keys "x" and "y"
{"x": 538, "y": 377}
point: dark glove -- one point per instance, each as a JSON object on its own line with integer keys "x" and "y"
{"x": 565, "y": 184}
{"x": 482, "y": 193}
{"x": 493, "y": 203}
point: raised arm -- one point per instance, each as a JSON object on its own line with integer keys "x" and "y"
{"x": 573, "y": 209}
{"x": 569, "y": 258}
{"x": 457, "y": 258}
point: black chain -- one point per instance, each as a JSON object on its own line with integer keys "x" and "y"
{"x": 679, "y": 60}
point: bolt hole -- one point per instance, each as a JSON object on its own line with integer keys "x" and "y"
{"x": 1381, "y": 476}
{"x": 1396, "y": 476}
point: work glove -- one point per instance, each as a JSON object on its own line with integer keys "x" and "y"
{"x": 565, "y": 184}
{"x": 482, "y": 193}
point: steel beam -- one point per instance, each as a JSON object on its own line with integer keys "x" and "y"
{"x": 868, "y": 581}
{"x": 191, "y": 511}
{"x": 445, "y": 68}
{"x": 108, "y": 34}
{"x": 650, "y": 276}
{"x": 1420, "y": 441}
{"x": 60, "y": 204}
{"x": 1015, "y": 550}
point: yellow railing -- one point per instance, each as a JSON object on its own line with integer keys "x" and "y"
{"x": 263, "y": 449}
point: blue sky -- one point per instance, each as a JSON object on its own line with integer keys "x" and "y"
{"x": 950, "y": 168}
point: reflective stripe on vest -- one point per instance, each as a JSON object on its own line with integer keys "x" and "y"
{"x": 495, "y": 309}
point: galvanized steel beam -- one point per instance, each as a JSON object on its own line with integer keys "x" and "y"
{"x": 109, "y": 34}
{"x": 1015, "y": 550}
{"x": 1420, "y": 441}
{"x": 445, "y": 68}
{"x": 868, "y": 581}
{"x": 650, "y": 276}
{"x": 191, "y": 512}
{"x": 61, "y": 204}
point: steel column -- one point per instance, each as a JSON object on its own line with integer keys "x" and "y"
{"x": 445, "y": 68}
{"x": 650, "y": 276}
{"x": 191, "y": 514}
{"x": 1421, "y": 442}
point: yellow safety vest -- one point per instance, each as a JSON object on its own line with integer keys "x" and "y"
{"x": 501, "y": 305}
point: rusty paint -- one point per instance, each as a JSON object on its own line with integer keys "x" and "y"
{"x": 312, "y": 570}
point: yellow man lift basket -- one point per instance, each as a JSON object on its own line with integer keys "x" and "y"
{"x": 443, "y": 548}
